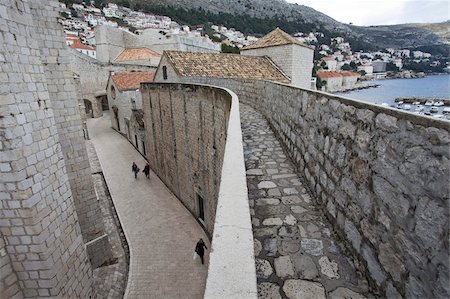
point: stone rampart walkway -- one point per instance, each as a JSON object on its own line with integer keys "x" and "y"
{"x": 161, "y": 233}
{"x": 296, "y": 256}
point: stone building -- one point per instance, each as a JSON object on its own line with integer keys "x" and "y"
{"x": 349, "y": 79}
{"x": 51, "y": 232}
{"x": 110, "y": 42}
{"x": 175, "y": 65}
{"x": 337, "y": 81}
{"x": 289, "y": 54}
{"x": 333, "y": 81}
{"x": 125, "y": 102}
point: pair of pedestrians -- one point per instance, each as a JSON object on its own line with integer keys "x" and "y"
{"x": 135, "y": 169}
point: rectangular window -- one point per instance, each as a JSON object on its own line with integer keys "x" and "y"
{"x": 164, "y": 72}
{"x": 201, "y": 208}
{"x": 136, "y": 141}
{"x": 143, "y": 148}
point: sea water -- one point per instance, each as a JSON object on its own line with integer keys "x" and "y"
{"x": 390, "y": 89}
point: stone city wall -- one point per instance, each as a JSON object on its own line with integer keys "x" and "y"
{"x": 186, "y": 133}
{"x": 381, "y": 175}
{"x": 195, "y": 146}
{"x": 64, "y": 102}
{"x": 42, "y": 164}
{"x": 110, "y": 42}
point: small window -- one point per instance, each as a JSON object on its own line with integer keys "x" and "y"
{"x": 164, "y": 72}
{"x": 113, "y": 92}
{"x": 201, "y": 208}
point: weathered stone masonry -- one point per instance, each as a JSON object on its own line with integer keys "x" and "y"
{"x": 186, "y": 133}
{"x": 48, "y": 207}
{"x": 380, "y": 174}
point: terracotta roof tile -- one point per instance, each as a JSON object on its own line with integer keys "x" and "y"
{"x": 323, "y": 74}
{"x": 276, "y": 37}
{"x": 191, "y": 64}
{"x": 350, "y": 74}
{"x": 131, "y": 54}
{"x": 328, "y": 74}
{"x": 78, "y": 45}
{"x": 131, "y": 80}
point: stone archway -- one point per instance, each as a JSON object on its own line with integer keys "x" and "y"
{"x": 88, "y": 108}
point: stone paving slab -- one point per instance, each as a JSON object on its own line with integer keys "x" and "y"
{"x": 296, "y": 253}
{"x": 160, "y": 232}
{"x": 109, "y": 280}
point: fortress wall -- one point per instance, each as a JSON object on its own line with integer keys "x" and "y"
{"x": 380, "y": 174}
{"x": 64, "y": 101}
{"x": 38, "y": 118}
{"x": 194, "y": 144}
{"x": 186, "y": 133}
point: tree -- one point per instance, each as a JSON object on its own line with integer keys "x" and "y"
{"x": 224, "y": 48}
{"x": 362, "y": 72}
{"x": 391, "y": 67}
{"x": 346, "y": 67}
{"x": 320, "y": 83}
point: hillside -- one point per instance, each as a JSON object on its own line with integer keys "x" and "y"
{"x": 260, "y": 16}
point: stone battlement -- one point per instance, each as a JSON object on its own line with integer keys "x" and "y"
{"x": 381, "y": 176}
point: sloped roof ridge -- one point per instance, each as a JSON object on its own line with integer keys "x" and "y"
{"x": 276, "y": 37}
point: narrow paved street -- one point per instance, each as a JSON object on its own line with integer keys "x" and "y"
{"x": 296, "y": 256}
{"x": 160, "y": 231}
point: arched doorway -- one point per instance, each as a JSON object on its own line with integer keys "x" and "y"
{"x": 88, "y": 108}
{"x": 116, "y": 117}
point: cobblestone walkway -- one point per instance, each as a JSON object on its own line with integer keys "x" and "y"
{"x": 296, "y": 256}
{"x": 161, "y": 233}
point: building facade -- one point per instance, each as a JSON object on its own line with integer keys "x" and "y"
{"x": 294, "y": 58}
{"x": 125, "y": 102}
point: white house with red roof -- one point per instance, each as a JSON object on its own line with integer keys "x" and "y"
{"x": 85, "y": 49}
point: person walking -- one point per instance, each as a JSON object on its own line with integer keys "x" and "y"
{"x": 200, "y": 249}
{"x": 135, "y": 170}
{"x": 146, "y": 171}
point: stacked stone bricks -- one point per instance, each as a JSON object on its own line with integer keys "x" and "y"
{"x": 381, "y": 176}
{"x": 48, "y": 208}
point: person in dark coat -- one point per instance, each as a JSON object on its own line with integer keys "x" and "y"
{"x": 200, "y": 249}
{"x": 146, "y": 170}
{"x": 135, "y": 170}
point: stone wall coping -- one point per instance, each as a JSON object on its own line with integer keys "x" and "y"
{"x": 231, "y": 272}
{"x": 424, "y": 120}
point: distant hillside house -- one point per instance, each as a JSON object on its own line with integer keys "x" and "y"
{"x": 175, "y": 65}
{"x": 139, "y": 56}
{"x": 338, "y": 81}
{"x": 85, "y": 49}
{"x": 125, "y": 104}
{"x": 288, "y": 53}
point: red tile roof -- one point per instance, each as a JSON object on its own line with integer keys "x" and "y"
{"x": 78, "y": 45}
{"x": 130, "y": 54}
{"x": 276, "y": 37}
{"x": 323, "y": 75}
{"x": 131, "y": 80}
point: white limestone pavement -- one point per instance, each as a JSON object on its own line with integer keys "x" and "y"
{"x": 160, "y": 232}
